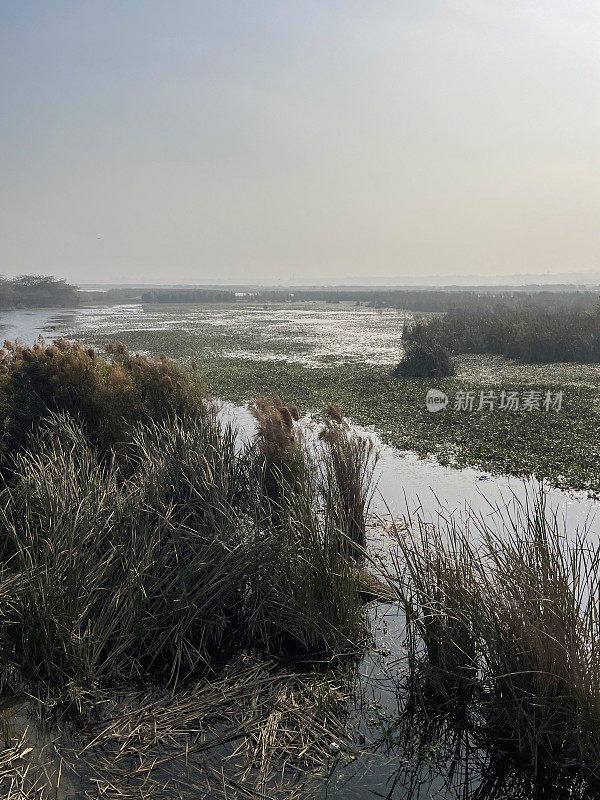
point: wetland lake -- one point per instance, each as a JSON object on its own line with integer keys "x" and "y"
{"x": 430, "y": 467}
{"x": 312, "y": 354}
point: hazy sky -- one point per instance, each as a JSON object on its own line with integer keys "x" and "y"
{"x": 328, "y": 141}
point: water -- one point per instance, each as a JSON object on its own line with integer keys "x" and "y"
{"x": 27, "y": 325}
{"x": 311, "y": 334}
{"x": 406, "y": 484}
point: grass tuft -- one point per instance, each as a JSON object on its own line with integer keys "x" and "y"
{"x": 425, "y": 360}
{"x": 503, "y": 630}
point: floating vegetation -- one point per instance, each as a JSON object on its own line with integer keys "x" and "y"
{"x": 184, "y": 610}
{"x": 313, "y": 354}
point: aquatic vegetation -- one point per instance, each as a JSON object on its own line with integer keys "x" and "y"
{"x": 560, "y": 446}
{"x": 167, "y": 561}
{"x": 213, "y": 568}
{"x": 347, "y": 465}
{"x": 296, "y": 351}
{"x": 437, "y": 300}
{"x": 502, "y": 635}
{"x": 530, "y": 332}
{"x": 108, "y": 397}
{"x": 170, "y": 567}
{"x": 308, "y": 334}
{"x": 281, "y": 462}
{"x": 428, "y": 360}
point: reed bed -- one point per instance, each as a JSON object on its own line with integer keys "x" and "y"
{"x": 280, "y": 459}
{"x": 425, "y": 360}
{"x": 503, "y": 632}
{"x": 168, "y": 569}
{"x": 186, "y": 562}
{"x": 531, "y": 332}
{"x": 189, "y": 611}
{"x": 347, "y": 467}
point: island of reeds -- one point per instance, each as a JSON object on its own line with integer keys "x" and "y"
{"x": 146, "y": 547}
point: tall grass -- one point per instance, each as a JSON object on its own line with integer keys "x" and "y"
{"x": 108, "y": 396}
{"x": 307, "y": 600}
{"x": 503, "y": 630}
{"x": 115, "y": 586}
{"x": 169, "y": 568}
{"x": 298, "y": 609}
{"x": 347, "y": 466}
{"x": 281, "y": 462}
{"x": 530, "y": 333}
{"x": 144, "y": 547}
{"x": 193, "y": 470}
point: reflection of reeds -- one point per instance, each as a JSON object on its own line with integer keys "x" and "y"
{"x": 503, "y": 631}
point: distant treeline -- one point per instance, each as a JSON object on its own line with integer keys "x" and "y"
{"x": 530, "y": 333}
{"x": 438, "y": 300}
{"x": 187, "y": 296}
{"x": 36, "y": 291}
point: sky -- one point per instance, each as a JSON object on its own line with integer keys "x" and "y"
{"x": 183, "y": 141}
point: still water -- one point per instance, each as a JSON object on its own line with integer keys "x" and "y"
{"x": 405, "y": 482}
{"x": 310, "y": 334}
{"x": 406, "y": 486}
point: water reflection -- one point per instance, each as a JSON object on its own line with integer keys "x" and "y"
{"x": 319, "y": 336}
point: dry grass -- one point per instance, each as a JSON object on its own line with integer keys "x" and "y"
{"x": 257, "y": 732}
{"x": 163, "y": 573}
